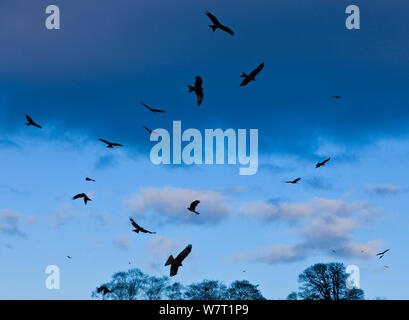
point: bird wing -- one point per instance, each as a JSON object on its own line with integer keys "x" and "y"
{"x": 326, "y": 160}
{"x": 158, "y": 110}
{"x": 80, "y": 195}
{"x": 104, "y": 141}
{"x": 257, "y": 70}
{"x": 134, "y": 224}
{"x": 296, "y": 180}
{"x": 100, "y": 289}
{"x": 181, "y": 256}
{"x": 150, "y": 131}
{"x": 146, "y": 231}
{"x": 194, "y": 204}
{"x": 227, "y": 29}
{"x": 146, "y": 106}
{"x": 29, "y": 119}
{"x": 245, "y": 81}
{"x": 212, "y": 18}
{"x": 117, "y": 144}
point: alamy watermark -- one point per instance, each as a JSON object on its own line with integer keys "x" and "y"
{"x": 210, "y": 151}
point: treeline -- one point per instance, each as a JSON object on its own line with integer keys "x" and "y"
{"x": 136, "y": 285}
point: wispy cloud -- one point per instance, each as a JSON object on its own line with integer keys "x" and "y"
{"x": 11, "y": 222}
{"x": 170, "y": 205}
{"x": 386, "y": 189}
{"x": 323, "y": 225}
{"x": 122, "y": 241}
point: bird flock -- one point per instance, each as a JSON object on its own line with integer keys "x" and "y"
{"x": 197, "y": 88}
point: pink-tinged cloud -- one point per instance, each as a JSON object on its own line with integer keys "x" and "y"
{"x": 170, "y": 205}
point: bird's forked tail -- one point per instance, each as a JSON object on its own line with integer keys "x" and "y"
{"x": 169, "y": 261}
{"x": 191, "y": 88}
{"x": 213, "y": 27}
{"x": 243, "y": 75}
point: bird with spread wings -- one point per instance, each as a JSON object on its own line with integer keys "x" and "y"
{"x": 82, "y": 195}
{"x": 251, "y": 76}
{"x": 175, "y": 263}
{"x": 198, "y": 89}
{"x": 152, "y": 109}
{"x": 32, "y": 123}
{"x": 217, "y": 25}
{"x": 111, "y": 144}
{"x": 138, "y": 228}
{"x": 193, "y": 205}
{"x": 381, "y": 254}
{"x": 320, "y": 164}
{"x": 293, "y": 181}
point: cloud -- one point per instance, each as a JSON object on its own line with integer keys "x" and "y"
{"x": 275, "y": 254}
{"x": 323, "y": 224}
{"x": 122, "y": 241}
{"x": 10, "y": 222}
{"x": 295, "y": 211}
{"x": 160, "y": 247}
{"x": 386, "y": 189}
{"x": 170, "y": 205}
{"x": 64, "y": 214}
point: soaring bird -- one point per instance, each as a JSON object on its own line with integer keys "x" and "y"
{"x": 152, "y": 109}
{"x": 111, "y": 144}
{"x": 336, "y": 97}
{"x": 217, "y": 25}
{"x": 82, "y": 195}
{"x": 176, "y": 263}
{"x": 320, "y": 164}
{"x": 251, "y": 76}
{"x": 198, "y": 89}
{"x": 69, "y": 257}
{"x": 193, "y": 206}
{"x": 139, "y": 228}
{"x": 89, "y": 179}
{"x": 294, "y": 181}
{"x": 381, "y": 254}
{"x": 31, "y": 122}
{"x": 104, "y": 290}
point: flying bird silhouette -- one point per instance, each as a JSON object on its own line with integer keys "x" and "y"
{"x": 294, "y": 181}
{"x": 381, "y": 254}
{"x": 139, "y": 228}
{"x": 69, "y": 257}
{"x": 89, "y": 179}
{"x": 336, "y": 97}
{"x": 320, "y": 164}
{"x": 198, "y": 89}
{"x": 251, "y": 76}
{"x": 217, "y": 25}
{"x": 82, "y": 195}
{"x": 104, "y": 290}
{"x": 32, "y": 123}
{"x": 152, "y": 109}
{"x": 176, "y": 263}
{"x": 111, "y": 144}
{"x": 193, "y": 206}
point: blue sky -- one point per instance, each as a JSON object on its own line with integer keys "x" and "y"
{"x": 85, "y": 82}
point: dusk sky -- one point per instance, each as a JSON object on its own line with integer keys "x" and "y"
{"x": 86, "y": 81}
